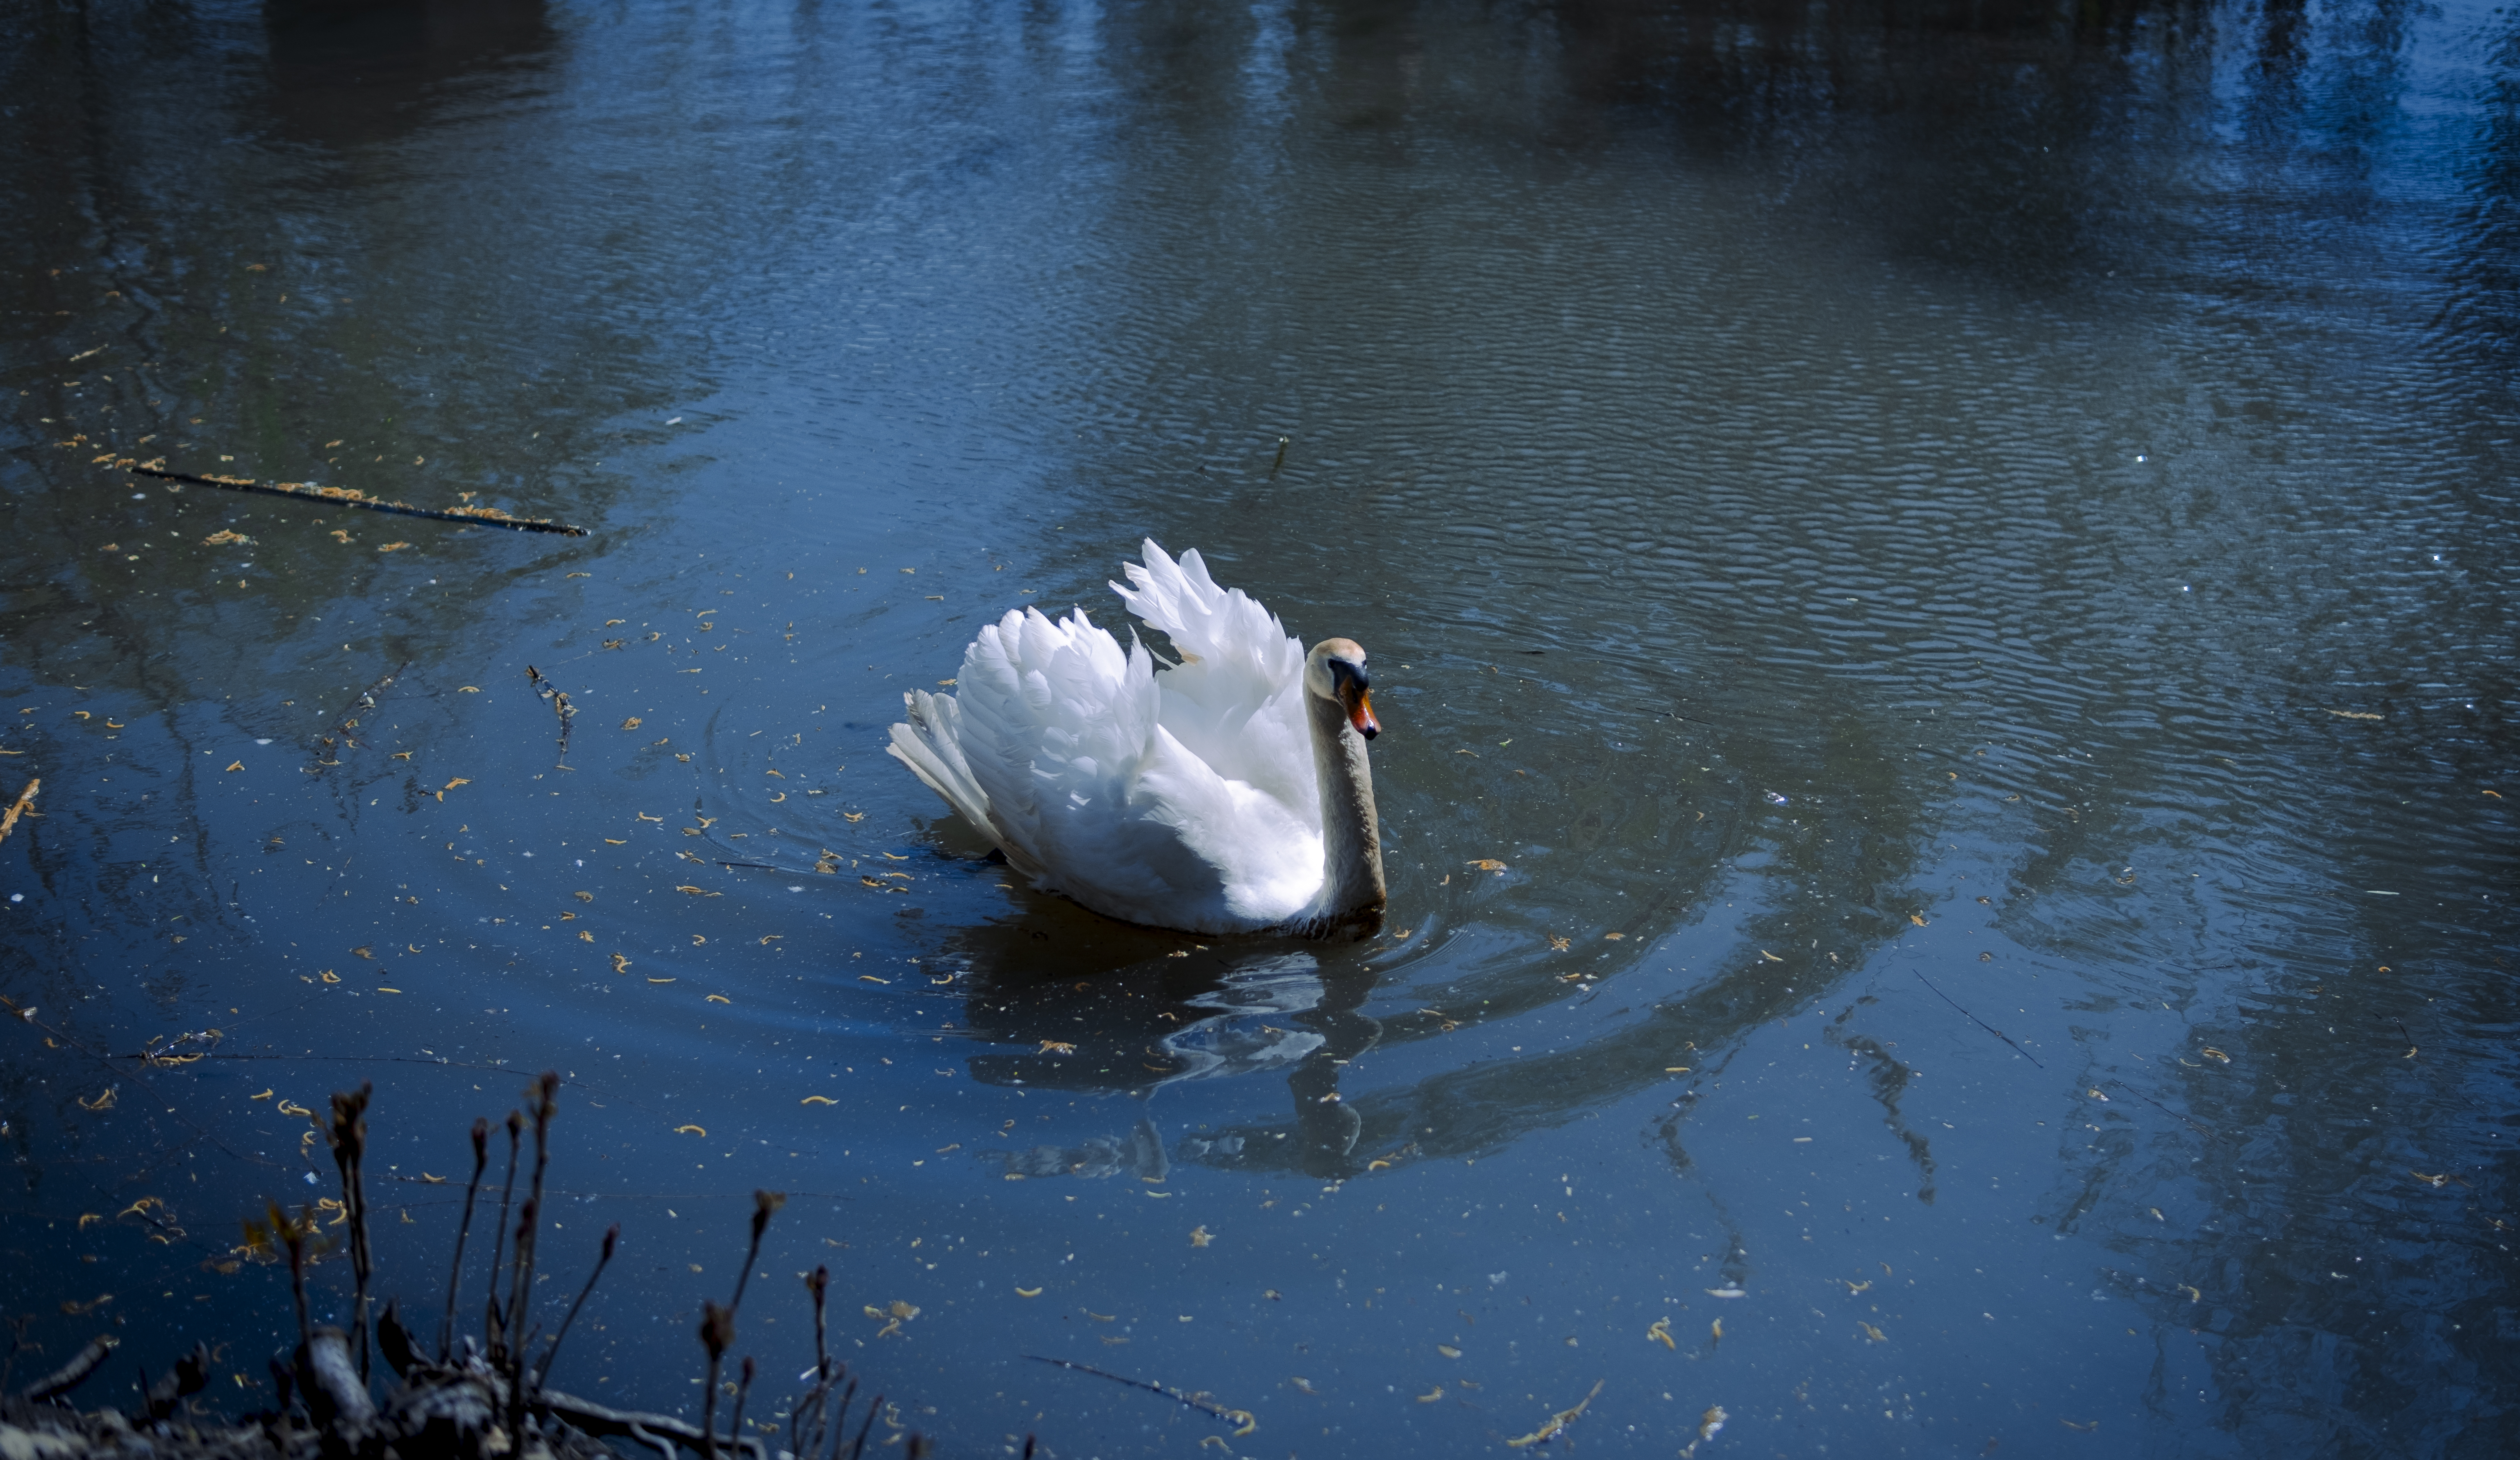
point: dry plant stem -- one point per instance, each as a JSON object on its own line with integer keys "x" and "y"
{"x": 611, "y": 1237}
{"x": 499, "y": 1237}
{"x": 349, "y": 1139}
{"x": 17, "y": 807}
{"x": 764, "y": 1202}
{"x": 455, "y": 1277}
{"x": 71, "y": 1374}
{"x": 717, "y": 1332}
{"x": 539, "y": 1100}
{"x": 840, "y": 1423}
{"x": 858, "y": 1451}
{"x": 820, "y": 1285}
{"x": 742, "y": 1392}
{"x": 295, "y": 1241}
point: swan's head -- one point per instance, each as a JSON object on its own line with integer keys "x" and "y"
{"x": 1335, "y": 671}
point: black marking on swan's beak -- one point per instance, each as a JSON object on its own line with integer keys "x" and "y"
{"x": 1353, "y": 683}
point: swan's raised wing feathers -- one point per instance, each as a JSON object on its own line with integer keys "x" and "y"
{"x": 1236, "y": 701}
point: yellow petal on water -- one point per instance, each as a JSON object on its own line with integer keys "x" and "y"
{"x": 89, "y": 1216}
{"x": 237, "y": 765}
{"x": 2193, "y": 1296}
{"x": 2157, "y": 1213}
{"x": 1675, "y": 1069}
{"x": 468, "y": 689}
{"x": 871, "y": 979}
{"x": 368, "y": 952}
{"x": 1874, "y": 1333}
{"x": 331, "y": 977}
{"x": 1717, "y": 1330}
{"x": 292, "y": 1108}
{"x": 620, "y": 965}
{"x": 1854, "y": 1288}
{"x": 615, "y": 841}
{"x": 1771, "y": 957}
{"x": 1421, "y": 1398}
{"x": 1027, "y": 1292}
{"x": 103, "y": 1102}
{"x": 265, "y": 1095}
{"x": 718, "y": 998}
{"x": 768, "y": 938}
{"x": 1661, "y": 1333}
{"x": 689, "y": 1131}
{"x": 660, "y": 980}
{"x": 432, "y": 1180}
{"x": 1917, "y": 919}
{"x": 818, "y": 1099}
{"x": 631, "y": 723}
{"x": 1488, "y": 864}
{"x": 900, "y": 1309}
{"x": 2095, "y": 1423}
{"x": 1048, "y": 1046}
{"x": 2211, "y": 1053}
{"x": 1614, "y": 937}
{"x": 1448, "y": 1350}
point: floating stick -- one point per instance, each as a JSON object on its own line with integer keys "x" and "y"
{"x": 1973, "y": 1018}
{"x": 1200, "y": 1402}
{"x": 17, "y": 807}
{"x": 344, "y": 496}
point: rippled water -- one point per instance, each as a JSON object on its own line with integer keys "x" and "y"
{"x": 1959, "y": 559}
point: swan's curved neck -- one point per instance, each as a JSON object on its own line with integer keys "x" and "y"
{"x": 1352, "y": 889}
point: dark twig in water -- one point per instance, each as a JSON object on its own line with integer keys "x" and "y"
{"x": 342, "y": 496}
{"x": 364, "y": 703}
{"x": 1973, "y": 1018}
{"x": 1280, "y": 461}
{"x": 455, "y": 1278}
{"x": 560, "y": 705}
{"x": 2201, "y": 1128}
{"x": 1199, "y": 1401}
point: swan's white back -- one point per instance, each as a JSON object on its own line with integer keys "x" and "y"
{"x": 1187, "y": 799}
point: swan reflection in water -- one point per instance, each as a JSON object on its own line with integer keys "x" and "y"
{"x": 1216, "y": 1015}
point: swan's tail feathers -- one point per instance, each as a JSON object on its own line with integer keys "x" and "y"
{"x": 1219, "y": 626}
{"x": 930, "y": 744}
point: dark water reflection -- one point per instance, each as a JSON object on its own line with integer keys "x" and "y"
{"x": 1875, "y": 528}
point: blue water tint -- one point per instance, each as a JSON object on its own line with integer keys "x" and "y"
{"x": 1939, "y": 592}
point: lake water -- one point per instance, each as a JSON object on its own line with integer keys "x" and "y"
{"x": 1942, "y": 588}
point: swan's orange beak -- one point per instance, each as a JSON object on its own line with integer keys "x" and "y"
{"x": 1360, "y": 710}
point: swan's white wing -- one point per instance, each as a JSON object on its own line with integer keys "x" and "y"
{"x": 1055, "y": 733}
{"x": 1236, "y": 701}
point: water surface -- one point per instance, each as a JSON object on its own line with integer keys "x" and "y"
{"x": 1941, "y": 588}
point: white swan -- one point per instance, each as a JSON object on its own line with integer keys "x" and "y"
{"x": 1229, "y": 794}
